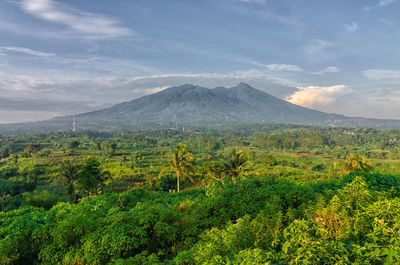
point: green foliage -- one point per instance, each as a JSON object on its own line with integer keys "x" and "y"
{"x": 5, "y": 152}
{"x": 69, "y": 174}
{"x": 270, "y": 160}
{"x": 355, "y": 163}
{"x": 91, "y": 176}
{"x": 32, "y": 149}
{"x": 182, "y": 163}
{"x": 279, "y": 200}
{"x": 236, "y": 164}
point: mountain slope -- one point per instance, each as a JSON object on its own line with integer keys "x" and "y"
{"x": 191, "y": 105}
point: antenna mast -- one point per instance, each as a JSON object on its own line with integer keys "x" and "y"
{"x": 74, "y": 123}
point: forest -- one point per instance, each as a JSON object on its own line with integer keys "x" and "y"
{"x": 261, "y": 194}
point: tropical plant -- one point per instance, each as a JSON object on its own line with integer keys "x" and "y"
{"x": 182, "y": 163}
{"x": 69, "y": 173}
{"x": 216, "y": 171}
{"x": 91, "y": 176}
{"x": 354, "y": 162}
{"x": 236, "y": 164}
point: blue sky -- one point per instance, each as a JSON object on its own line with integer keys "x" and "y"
{"x": 57, "y": 57}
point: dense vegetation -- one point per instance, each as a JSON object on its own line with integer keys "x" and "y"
{"x": 268, "y": 194}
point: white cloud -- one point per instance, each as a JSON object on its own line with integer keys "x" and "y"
{"x": 317, "y": 50}
{"x": 382, "y": 3}
{"x": 150, "y": 90}
{"x": 284, "y": 67}
{"x": 86, "y": 24}
{"x": 380, "y": 74}
{"x": 317, "y": 96}
{"x": 385, "y": 2}
{"x": 26, "y": 51}
{"x": 352, "y": 27}
{"x": 329, "y": 69}
{"x": 117, "y": 88}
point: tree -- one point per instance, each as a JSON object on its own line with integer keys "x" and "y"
{"x": 216, "y": 171}
{"x": 5, "y": 152}
{"x": 182, "y": 163}
{"x": 112, "y": 147}
{"x": 236, "y": 164}
{"x": 137, "y": 159}
{"x": 91, "y": 177}
{"x": 355, "y": 163}
{"x": 32, "y": 149}
{"x": 74, "y": 144}
{"x": 69, "y": 172}
{"x": 270, "y": 160}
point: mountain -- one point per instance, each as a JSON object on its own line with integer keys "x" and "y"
{"x": 191, "y": 105}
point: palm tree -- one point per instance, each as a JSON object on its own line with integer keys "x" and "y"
{"x": 69, "y": 173}
{"x": 355, "y": 163}
{"x": 216, "y": 171}
{"x": 182, "y": 163}
{"x": 236, "y": 164}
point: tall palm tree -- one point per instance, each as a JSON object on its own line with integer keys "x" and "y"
{"x": 236, "y": 164}
{"x": 182, "y": 163}
{"x": 69, "y": 173}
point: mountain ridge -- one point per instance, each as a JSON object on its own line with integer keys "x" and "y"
{"x": 193, "y": 105}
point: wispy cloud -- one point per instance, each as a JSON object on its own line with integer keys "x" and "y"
{"x": 274, "y": 67}
{"x": 260, "y": 2}
{"x": 26, "y": 51}
{"x": 83, "y": 23}
{"x": 114, "y": 89}
{"x": 317, "y": 96}
{"x": 351, "y": 27}
{"x": 317, "y": 50}
{"x": 329, "y": 69}
{"x": 380, "y": 74}
{"x": 381, "y": 3}
{"x": 284, "y": 67}
{"x": 386, "y": 2}
{"x": 261, "y": 10}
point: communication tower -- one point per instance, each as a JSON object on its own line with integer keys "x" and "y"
{"x": 74, "y": 123}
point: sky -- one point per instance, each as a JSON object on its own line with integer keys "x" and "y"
{"x": 59, "y": 57}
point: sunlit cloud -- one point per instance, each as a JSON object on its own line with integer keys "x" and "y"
{"x": 89, "y": 24}
{"x": 317, "y": 96}
{"x": 151, "y": 90}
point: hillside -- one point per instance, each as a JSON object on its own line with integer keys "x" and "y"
{"x": 191, "y": 105}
